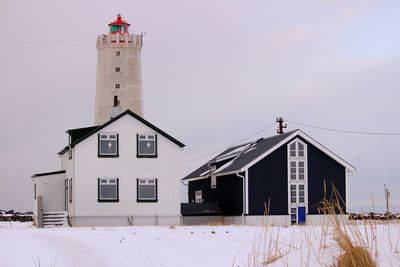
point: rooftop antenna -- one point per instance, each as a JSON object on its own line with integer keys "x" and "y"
{"x": 385, "y": 188}
{"x": 281, "y": 126}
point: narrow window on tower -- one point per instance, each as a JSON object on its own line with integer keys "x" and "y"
{"x": 117, "y": 53}
{"x": 117, "y": 86}
{"x": 117, "y": 69}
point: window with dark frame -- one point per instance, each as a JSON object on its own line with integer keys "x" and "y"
{"x": 70, "y": 191}
{"x": 146, "y": 145}
{"x": 117, "y": 86}
{"x": 108, "y": 190}
{"x": 146, "y": 190}
{"x": 117, "y": 69}
{"x": 117, "y": 53}
{"x": 108, "y": 145}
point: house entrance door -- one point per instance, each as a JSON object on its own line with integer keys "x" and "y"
{"x": 301, "y": 213}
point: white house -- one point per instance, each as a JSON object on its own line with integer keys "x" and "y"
{"x": 123, "y": 172}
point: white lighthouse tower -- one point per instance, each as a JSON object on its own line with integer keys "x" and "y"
{"x": 119, "y": 78}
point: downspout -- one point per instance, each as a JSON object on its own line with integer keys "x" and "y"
{"x": 244, "y": 195}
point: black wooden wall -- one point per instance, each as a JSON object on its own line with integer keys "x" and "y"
{"x": 228, "y": 193}
{"x": 322, "y": 168}
{"x": 268, "y": 182}
{"x": 209, "y": 195}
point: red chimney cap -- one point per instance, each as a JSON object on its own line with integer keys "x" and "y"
{"x": 119, "y": 21}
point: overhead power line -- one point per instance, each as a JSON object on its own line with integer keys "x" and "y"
{"x": 237, "y": 142}
{"x": 57, "y": 41}
{"x": 343, "y": 131}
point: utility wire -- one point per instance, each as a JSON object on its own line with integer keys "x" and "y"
{"x": 237, "y": 142}
{"x": 342, "y": 131}
{"x": 57, "y": 41}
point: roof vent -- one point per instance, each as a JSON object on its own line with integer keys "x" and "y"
{"x": 116, "y": 109}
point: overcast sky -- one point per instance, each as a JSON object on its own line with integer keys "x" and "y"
{"x": 214, "y": 72}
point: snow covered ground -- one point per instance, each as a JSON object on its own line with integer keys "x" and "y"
{"x": 24, "y": 245}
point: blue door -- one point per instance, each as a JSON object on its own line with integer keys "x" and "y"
{"x": 301, "y": 215}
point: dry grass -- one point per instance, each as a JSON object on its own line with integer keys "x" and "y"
{"x": 337, "y": 242}
{"x": 353, "y": 256}
{"x": 356, "y": 247}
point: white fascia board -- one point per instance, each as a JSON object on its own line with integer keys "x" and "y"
{"x": 195, "y": 178}
{"x": 315, "y": 143}
{"x": 216, "y": 174}
{"x": 269, "y": 151}
{"x": 306, "y": 137}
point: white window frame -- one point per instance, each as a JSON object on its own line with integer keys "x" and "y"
{"x": 108, "y": 181}
{"x": 297, "y": 195}
{"x": 297, "y": 182}
{"x": 301, "y": 196}
{"x": 144, "y": 182}
{"x": 297, "y": 169}
{"x": 110, "y": 137}
{"x": 293, "y": 194}
{"x": 291, "y": 214}
{"x": 145, "y": 137}
{"x": 198, "y": 196}
{"x": 213, "y": 181}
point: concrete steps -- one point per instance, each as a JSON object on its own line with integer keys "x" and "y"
{"x": 55, "y": 219}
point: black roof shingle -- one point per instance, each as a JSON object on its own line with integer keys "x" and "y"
{"x": 241, "y": 155}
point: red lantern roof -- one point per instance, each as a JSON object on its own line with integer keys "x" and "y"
{"x": 119, "y": 21}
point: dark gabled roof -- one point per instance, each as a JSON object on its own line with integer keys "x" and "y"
{"x": 80, "y": 134}
{"x": 205, "y": 167}
{"x": 241, "y": 155}
{"x": 47, "y": 173}
{"x": 255, "y": 151}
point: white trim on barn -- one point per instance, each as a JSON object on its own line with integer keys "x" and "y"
{"x": 247, "y": 191}
{"x": 297, "y": 181}
{"x": 308, "y": 139}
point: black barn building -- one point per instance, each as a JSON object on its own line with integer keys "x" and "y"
{"x": 287, "y": 175}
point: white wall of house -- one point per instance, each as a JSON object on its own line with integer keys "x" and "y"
{"x": 67, "y": 164}
{"x": 51, "y": 188}
{"x": 127, "y": 168}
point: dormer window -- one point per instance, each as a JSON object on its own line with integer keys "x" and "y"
{"x": 146, "y": 145}
{"x": 108, "y": 145}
